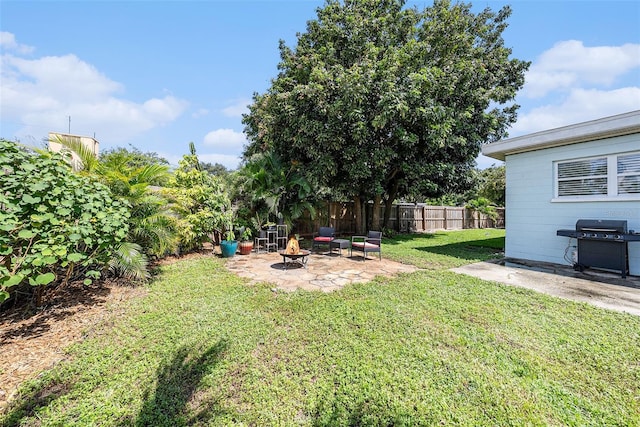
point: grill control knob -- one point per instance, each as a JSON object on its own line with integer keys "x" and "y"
{"x": 617, "y": 236}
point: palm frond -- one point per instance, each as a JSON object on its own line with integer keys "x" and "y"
{"x": 88, "y": 159}
{"x": 130, "y": 262}
{"x": 151, "y": 173}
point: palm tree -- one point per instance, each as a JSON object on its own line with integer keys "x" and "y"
{"x": 151, "y": 227}
{"x": 284, "y": 190}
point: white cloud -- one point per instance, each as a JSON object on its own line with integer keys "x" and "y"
{"x": 200, "y": 113}
{"x": 227, "y": 139}
{"x": 570, "y": 64}
{"x": 229, "y": 161}
{"x": 237, "y": 109}
{"x": 8, "y": 42}
{"x": 579, "y": 106}
{"x": 44, "y": 92}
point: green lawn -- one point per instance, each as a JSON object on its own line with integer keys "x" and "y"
{"x": 428, "y": 348}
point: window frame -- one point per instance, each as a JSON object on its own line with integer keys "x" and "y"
{"x": 612, "y": 177}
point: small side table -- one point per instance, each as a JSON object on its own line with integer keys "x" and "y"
{"x": 282, "y": 236}
{"x": 339, "y": 244}
{"x": 272, "y": 240}
{"x": 260, "y": 244}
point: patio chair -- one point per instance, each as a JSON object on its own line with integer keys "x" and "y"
{"x": 372, "y": 242}
{"x": 324, "y": 236}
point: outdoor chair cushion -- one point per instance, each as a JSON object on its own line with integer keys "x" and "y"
{"x": 370, "y": 247}
{"x": 324, "y": 236}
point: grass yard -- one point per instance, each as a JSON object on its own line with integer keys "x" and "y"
{"x": 427, "y": 348}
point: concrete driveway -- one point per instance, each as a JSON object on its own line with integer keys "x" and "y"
{"x": 602, "y": 289}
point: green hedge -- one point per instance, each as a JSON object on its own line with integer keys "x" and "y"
{"x": 55, "y": 225}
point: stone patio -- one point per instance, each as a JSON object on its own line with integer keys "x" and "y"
{"x": 324, "y": 272}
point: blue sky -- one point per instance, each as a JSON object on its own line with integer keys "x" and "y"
{"x": 159, "y": 74}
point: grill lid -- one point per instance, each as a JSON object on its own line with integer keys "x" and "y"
{"x": 611, "y": 225}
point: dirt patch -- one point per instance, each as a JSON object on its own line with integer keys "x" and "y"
{"x": 32, "y": 341}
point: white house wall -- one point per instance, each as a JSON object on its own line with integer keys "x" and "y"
{"x": 532, "y": 218}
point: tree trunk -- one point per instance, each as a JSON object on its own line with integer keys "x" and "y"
{"x": 375, "y": 217}
{"x": 388, "y": 204}
{"x": 359, "y": 214}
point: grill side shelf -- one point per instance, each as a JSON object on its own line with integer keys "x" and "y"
{"x": 567, "y": 233}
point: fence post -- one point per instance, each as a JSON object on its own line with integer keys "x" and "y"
{"x": 444, "y": 214}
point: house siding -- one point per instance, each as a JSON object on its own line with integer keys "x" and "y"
{"x": 532, "y": 218}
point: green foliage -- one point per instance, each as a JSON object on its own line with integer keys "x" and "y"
{"x": 122, "y": 158}
{"x": 88, "y": 161}
{"x": 281, "y": 187}
{"x": 129, "y": 262}
{"x": 492, "y": 184}
{"x": 214, "y": 169}
{"x": 230, "y": 235}
{"x": 484, "y": 206}
{"x": 200, "y": 200}
{"x": 56, "y": 225}
{"x": 130, "y": 175}
{"x": 377, "y": 100}
{"x": 152, "y": 226}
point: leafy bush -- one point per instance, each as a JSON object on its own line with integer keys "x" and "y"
{"x": 484, "y": 206}
{"x": 54, "y": 225}
{"x": 200, "y": 202}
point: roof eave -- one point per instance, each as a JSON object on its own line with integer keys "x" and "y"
{"x": 608, "y": 127}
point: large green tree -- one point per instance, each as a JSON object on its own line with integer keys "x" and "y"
{"x": 378, "y": 101}
{"x": 492, "y": 184}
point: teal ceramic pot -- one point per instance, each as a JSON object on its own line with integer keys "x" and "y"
{"x": 229, "y": 248}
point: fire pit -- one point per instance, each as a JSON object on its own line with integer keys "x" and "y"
{"x": 294, "y": 254}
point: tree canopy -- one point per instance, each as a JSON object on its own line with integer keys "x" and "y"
{"x": 379, "y": 101}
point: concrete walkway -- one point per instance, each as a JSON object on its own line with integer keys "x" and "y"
{"x": 602, "y": 289}
{"x": 324, "y": 272}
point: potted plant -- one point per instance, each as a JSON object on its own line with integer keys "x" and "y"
{"x": 246, "y": 243}
{"x": 229, "y": 246}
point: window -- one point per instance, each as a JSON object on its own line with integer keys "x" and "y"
{"x": 629, "y": 174}
{"x": 582, "y": 177}
{"x": 616, "y": 175}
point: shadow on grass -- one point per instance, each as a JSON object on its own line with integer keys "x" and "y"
{"x": 175, "y": 401}
{"x": 30, "y": 401}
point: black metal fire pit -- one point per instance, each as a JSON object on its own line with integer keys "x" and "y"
{"x": 602, "y": 244}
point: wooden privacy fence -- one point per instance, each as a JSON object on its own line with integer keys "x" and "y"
{"x": 405, "y": 218}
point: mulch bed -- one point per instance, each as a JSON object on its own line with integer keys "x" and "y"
{"x": 33, "y": 340}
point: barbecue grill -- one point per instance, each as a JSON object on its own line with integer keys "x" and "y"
{"x": 602, "y": 244}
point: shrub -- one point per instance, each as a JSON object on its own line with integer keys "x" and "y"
{"x": 55, "y": 225}
{"x": 200, "y": 201}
